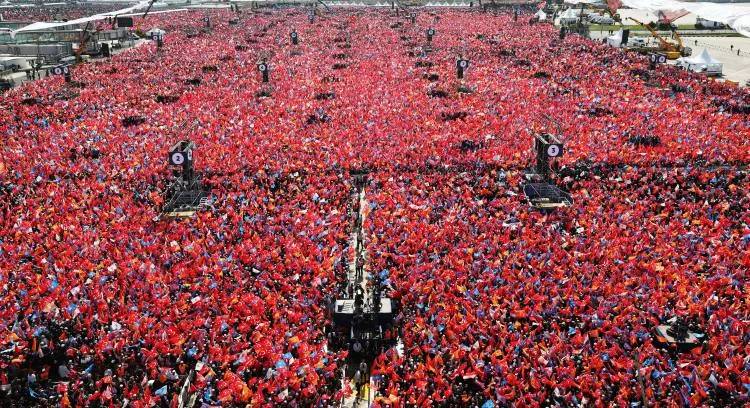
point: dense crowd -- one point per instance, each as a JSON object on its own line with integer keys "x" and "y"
{"x": 56, "y": 12}
{"x": 103, "y": 301}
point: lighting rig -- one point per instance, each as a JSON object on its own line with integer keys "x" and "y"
{"x": 540, "y": 190}
{"x": 186, "y": 194}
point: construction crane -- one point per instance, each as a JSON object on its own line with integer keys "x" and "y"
{"x": 672, "y": 51}
{"x": 83, "y": 42}
{"x": 324, "y": 5}
{"x": 685, "y": 51}
{"x": 148, "y": 8}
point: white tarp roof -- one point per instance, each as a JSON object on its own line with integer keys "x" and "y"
{"x": 46, "y": 26}
{"x": 541, "y": 14}
{"x": 734, "y": 15}
{"x": 155, "y": 30}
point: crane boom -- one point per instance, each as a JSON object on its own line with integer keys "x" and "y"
{"x": 677, "y": 37}
{"x": 83, "y": 41}
{"x": 324, "y": 5}
{"x": 150, "y": 4}
{"x": 671, "y": 50}
{"x": 665, "y": 45}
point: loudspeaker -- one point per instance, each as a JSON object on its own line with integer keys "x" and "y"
{"x": 105, "y": 50}
{"x": 461, "y": 66}
{"x": 263, "y": 68}
{"x": 625, "y": 35}
{"x": 124, "y": 21}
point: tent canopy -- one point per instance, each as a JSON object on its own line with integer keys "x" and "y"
{"x": 616, "y": 36}
{"x": 703, "y": 63}
{"x": 615, "y": 40}
{"x": 703, "y": 58}
{"x": 571, "y": 13}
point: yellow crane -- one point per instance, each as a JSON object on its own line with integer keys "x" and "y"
{"x": 83, "y": 41}
{"x": 684, "y": 51}
{"x": 672, "y": 51}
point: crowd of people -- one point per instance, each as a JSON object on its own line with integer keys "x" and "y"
{"x": 104, "y": 301}
{"x": 56, "y": 11}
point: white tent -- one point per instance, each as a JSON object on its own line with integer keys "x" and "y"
{"x": 569, "y": 16}
{"x": 541, "y": 15}
{"x": 703, "y": 63}
{"x": 615, "y": 40}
